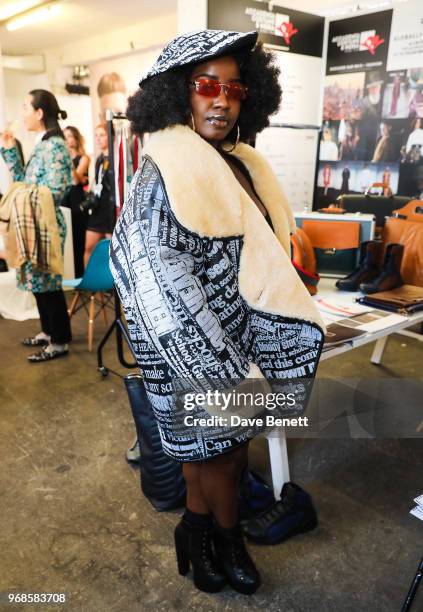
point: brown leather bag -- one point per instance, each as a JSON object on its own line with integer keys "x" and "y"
{"x": 411, "y": 211}
{"x": 304, "y": 260}
{"x": 408, "y": 232}
{"x": 335, "y": 244}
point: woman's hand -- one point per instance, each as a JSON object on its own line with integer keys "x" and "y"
{"x": 7, "y": 140}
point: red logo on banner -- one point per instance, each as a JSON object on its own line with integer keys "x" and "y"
{"x": 287, "y": 30}
{"x": 372, "y": 43}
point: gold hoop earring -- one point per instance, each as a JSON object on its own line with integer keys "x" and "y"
{"x": 193, "y": 122}
{"x": 236, "y": 141}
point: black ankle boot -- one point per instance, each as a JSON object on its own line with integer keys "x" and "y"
{"x": 390, "y": 274}
{"x": 367, "y": 269}
{"x": 237, "y": 564}
{"x": 193, "y": 545}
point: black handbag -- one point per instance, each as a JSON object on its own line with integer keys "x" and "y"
{"x": 161, "y": 477}
{"x": 90, "y": 203}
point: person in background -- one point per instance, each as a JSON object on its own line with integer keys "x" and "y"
{"x": 372, "y": 99}
{"x": 101, "y": 218}
{"x": 50, "y": 164}
{"x": 416, "y": 135}
{"x": 349, "y": 144}
{"x": 384, "y": 150}
{"x": 345, "y": 186}
{"x": 81, "y": 163}
{"x": 416, "y": 103}
{"x": 328, "y": 148}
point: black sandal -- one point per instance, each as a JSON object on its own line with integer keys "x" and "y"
{"x": 46, "y": 356}
{"x": 34, "y": 342}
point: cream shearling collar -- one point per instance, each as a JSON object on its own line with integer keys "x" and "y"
{"x": 207, "y": 199}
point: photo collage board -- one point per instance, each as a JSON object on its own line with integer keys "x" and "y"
{"x": 372, "y": 129}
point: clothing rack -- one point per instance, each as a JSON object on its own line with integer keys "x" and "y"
{"x": 117, "y": 324}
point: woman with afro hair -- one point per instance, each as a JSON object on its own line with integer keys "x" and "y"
{"x": 201, "y": 260}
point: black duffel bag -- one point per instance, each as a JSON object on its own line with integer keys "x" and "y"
{"x": 380, "y": 206}
{"x": 161, "y": 476}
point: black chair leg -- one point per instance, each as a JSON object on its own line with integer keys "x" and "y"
{"x": 413, "y": 588}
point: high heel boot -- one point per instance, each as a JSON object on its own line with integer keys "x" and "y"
{"x": 237, "y": 564}
{"x": 390, "y": 274}
{"x": 193, "y": 545}
{"x": 367, "y": 268}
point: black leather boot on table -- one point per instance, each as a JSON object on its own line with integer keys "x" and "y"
{"x": 193, "y": 545}
{"x": 390, "y": 274}
{"x": 237, "y": 564}
{"x": 367, "y": 268}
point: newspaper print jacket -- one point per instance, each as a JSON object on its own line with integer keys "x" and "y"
{"x": 208, "y": 290}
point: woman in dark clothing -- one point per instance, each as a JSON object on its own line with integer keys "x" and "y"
{"x": 101, "y": 218}
{"x": 207, "y": 286}
{"x": 75, "y": 195}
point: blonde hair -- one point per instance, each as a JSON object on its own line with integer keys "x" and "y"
{"x": 110, "y": 83}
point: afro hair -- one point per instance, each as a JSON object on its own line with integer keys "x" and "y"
{"x": 164, "y": 99}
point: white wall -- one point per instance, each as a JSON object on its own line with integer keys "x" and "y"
{"x": 134, "y": 47}
{"x": 17, "y": 84}
{"x": 192, "y": 15}
{"x": 2, "y": 96}
{"x": 142, "y": 36}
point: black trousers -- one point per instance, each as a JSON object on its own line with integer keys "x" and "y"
{"x": 79, "y": 228}
{"x": 54, "y": 316}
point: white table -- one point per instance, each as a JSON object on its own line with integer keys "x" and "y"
{"x": 277, "y": 443}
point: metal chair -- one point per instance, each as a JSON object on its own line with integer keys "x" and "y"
{"x": 97, "y": 280}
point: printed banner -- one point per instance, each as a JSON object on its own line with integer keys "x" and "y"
{"x": 359, "y": 43}
{"x": 301, "y": 81}
{"x": 373, "y": 106}
{"x": 282, "y": 28}
{"x": 292, "y": 155}
{"x": 406, "y": 44}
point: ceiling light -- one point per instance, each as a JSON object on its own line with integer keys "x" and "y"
{"x": 14, "y": 8}
{"x": 35, "y": 16}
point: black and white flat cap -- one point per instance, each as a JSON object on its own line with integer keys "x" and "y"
{"x": 200, "y": 46}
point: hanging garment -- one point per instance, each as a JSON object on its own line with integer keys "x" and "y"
{"x": 28, "y": 221}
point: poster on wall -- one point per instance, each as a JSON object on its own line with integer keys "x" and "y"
{"x": 372, "y": 109}
{"x": 358, "y": 44}
{"x": 299, "y": 95}
{"x": 283, "y": 28}
{"x": 406, "y": 44}
{"x": 292, "y": 155}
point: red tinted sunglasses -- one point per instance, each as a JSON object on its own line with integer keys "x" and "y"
{"x": 212, "y": 88}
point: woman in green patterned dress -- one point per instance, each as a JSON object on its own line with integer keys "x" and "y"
{"x": 50, "y": 164}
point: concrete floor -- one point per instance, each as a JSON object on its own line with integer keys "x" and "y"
{"x": 73, "y": 519}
